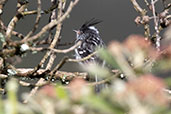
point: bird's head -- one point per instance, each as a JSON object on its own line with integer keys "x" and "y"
{"x": 87, "y": 28}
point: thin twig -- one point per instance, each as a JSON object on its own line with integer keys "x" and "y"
{"x": 57, "y": 22}
{"x": 57, "y": 50}
{"x": 51, "y": 24}
{"x": 51, "y": 61}
{"x": 13, "y": 22}
{"x": 52, "y": 18}
{"x": 137, "y": 7}
{"x": 54, "y": 6}
{"x": 147, "y": 3}
{"x": 58, "y": 66}
{"x": 3, "y": 76}
{"x": 82, "y": 59}
{"x": 105, "y": 80}
{"x": 34, "y": 90}
{"x": 24, "y": 72}
{"x": 143, "y": 14}
{"x": 47, "y": 27}
{"x": 55, "y": 40}
{"x": 15, "y": 33}
{"x": 36, "y": 21}
{"x": 156, "y": 20}
{"x": 2, "y": 4}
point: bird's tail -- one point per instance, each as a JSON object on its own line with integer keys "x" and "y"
{"x": 99, "y": 84}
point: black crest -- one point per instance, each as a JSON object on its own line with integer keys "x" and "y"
{"x": 89, "y": 23}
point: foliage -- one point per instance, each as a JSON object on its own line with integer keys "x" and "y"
{"x": 135, "y": 75}
{"x": 143, "y": 94}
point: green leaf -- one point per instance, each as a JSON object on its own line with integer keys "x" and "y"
{"x": 95, "y": 69}
{"x": 163, "y": 65}
{"x": 2, "y": 38}
{"x": 168, "y": 81}
{"x": 99, "y": 103}
{"x": 61, "y": 92}
{"x": 12, "y": 97}
{"x": 105, "y": 55}
{"x": 1, "y": 107}
{"x": 162, "y": 110}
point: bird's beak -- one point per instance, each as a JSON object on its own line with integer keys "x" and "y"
{"x": 77, "y": 31}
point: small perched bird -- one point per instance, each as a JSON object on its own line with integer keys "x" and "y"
{"x": 90, "y": 38}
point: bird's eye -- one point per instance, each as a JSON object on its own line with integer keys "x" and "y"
{"x": 79, "y": 32}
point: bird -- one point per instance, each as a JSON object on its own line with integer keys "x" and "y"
{"x": 90, "y": 39}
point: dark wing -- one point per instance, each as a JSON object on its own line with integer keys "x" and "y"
{"x": 89, "y": 46}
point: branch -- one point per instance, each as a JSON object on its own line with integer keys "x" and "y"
{"x": 57, "y": 50}
{"x": 105, "y": 80}
{"x": 57, "y": 22}
{"x": 143, "y": 16}
{"x": 82, "y": 59}
{"x": 53, "y": 7}
{"x": 13, "y": 22}
{"x": 50, "y": 25}
{"x": 55, "y": 40}
{"x": 24, "y": 72}
{"x": 2, "y": 4}
{"x": 156, "y": 20}
{"x": 15, "y": 33}
{"x": 137, "y": 7}
{"x": 52, "y": 18}
{"x": 36, "y": 21}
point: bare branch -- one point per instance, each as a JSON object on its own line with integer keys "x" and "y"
{"x": 2, "y": 3}
{"x": 36, "y": 21}
{"x": 53, "y": 7}
{"x": 13, "y": 22}
{"x": 143, "y": 14}
{"x": 83, "y": 59}
{"x": 57, "y": 50}
{"x": 117, "y": 74}
{"x": 156, "y": 21}
{"x": 57, "y": 22}
{"x": 137, "y": 7}
{"x": 15, "y": 33}
{"x": 52, "y": 24}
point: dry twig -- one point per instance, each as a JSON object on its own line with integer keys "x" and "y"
{"x": 14, "y": 20}
{"x": 37, "y": 20}
{"x": 57, "y": 22}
